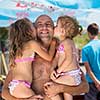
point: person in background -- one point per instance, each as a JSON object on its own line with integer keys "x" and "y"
{"x": 41, "y": 68}
{"x": 91, "y": 60}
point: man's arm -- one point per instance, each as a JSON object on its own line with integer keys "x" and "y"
{"x": 6, "y": 95}
{"x": 82, "y": 88}
{"x": 5, "y": 92}
{"x": 52, "y": 89}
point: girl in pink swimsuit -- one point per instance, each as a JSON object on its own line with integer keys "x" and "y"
{"x": 68, "y": 71}
{"x": 23, "y": 46}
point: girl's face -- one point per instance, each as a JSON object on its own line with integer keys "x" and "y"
{"x": 32, "y": 31}
{"x": 61, "y": 32}
{"x": 58, "y": 30}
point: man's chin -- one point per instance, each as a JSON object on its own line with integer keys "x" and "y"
{"x": 45, "y": 39}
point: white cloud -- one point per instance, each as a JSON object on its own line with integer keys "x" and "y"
{"x": 94, "y": 17}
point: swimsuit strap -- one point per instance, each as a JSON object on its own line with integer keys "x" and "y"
{"x": 30, "y": 58}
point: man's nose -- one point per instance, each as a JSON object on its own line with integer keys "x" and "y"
{"x": 44, "y": 26}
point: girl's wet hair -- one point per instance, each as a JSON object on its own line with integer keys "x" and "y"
{"x": 72, "y": 23}
{"x": 20, "y": 33}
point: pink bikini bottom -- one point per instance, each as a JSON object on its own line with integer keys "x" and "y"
{"x": 75, "y": 75}
{"x": 14, "y": 83}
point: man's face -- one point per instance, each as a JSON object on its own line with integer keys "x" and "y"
{"x": 44, "y": 27}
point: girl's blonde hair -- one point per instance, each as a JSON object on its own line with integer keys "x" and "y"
{"x": 20, "y": 33}
{"x": 72, "y": 23}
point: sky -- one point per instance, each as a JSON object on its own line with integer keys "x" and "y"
{"x": 86, "y": 11}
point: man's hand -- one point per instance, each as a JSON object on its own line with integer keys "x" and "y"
{"x": 35, "y": 97}
{"x": 51, "y": 89}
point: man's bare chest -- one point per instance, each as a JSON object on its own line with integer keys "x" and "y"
{"x": 41, "y": 70}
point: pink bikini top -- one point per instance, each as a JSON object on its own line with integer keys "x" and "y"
{"x": 60, "y": 49}
{"x": 30, "y": 58}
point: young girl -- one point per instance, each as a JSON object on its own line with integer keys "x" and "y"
{"x": 23, "y": 47}
{"x": 68, "y": 71}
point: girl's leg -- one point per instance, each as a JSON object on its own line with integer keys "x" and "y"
{"x": 68, "y": 96}
{"x": 57, "y": 97}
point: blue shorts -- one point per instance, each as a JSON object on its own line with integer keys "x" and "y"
{"x": 92, "y": 94}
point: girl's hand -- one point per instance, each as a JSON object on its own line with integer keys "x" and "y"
{"x": 58, "y": 74}
{"x": 59, "y": 71}
{"x": 53, "y": 75}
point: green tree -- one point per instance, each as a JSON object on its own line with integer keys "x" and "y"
{"x": 3, "y": 37}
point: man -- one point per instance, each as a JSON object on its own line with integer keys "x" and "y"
{"x": 43, "y": 68}
{"x": 91, "y": 60}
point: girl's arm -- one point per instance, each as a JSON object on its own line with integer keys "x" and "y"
{"x": 41, "y": 52}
